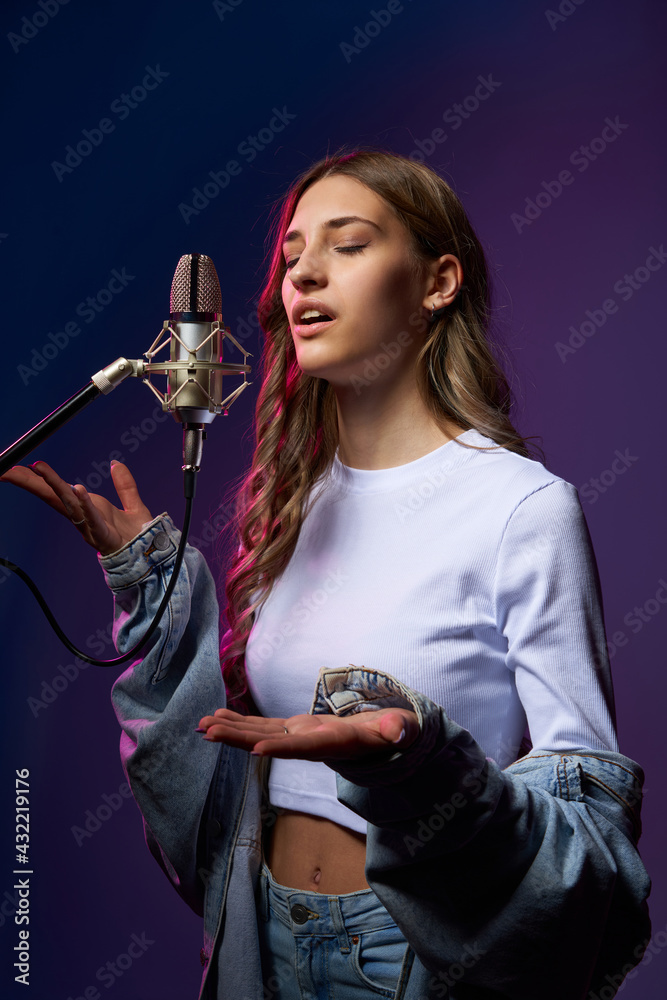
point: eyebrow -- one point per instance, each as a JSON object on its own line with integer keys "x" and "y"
{"x": 344, "y": 220}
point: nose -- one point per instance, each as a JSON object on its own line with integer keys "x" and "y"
{"x": 308, "y": 270}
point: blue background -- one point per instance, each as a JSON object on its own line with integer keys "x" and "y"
{"x": 225, "y": 72}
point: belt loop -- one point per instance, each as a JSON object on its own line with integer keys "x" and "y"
{"x": 263, "y": 889}
{"x": 339, "y": 924}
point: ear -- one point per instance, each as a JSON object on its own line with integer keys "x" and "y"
{"x": 444, "y": 282}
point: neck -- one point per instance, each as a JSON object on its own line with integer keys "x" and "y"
{"x": 383, "y": 426}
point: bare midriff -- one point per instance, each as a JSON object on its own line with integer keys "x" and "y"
{"x": 316, "y": 855}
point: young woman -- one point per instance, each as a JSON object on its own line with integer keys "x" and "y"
{"x": 412, "y": 594}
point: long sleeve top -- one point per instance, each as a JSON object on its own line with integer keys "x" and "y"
{"x": 469, "y": 576}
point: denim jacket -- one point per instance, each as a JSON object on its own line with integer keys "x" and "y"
{"x": 522, "y": 883}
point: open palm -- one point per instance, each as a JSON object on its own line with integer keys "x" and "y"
{"x": 314, "y": 737}
{"x": 106, "y": 527}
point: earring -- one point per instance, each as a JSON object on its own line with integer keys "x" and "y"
{"x": 437, "y": 313}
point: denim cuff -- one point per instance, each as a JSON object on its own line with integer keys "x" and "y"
{"x": 347, "y": 690}
{"x": 156, "y": 542}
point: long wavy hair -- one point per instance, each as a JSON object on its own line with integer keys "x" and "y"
{"x": 296, "y": 428}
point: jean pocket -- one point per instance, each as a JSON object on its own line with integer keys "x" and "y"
{"x": 377, "y": 958}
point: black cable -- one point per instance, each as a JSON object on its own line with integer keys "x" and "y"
{"x": 158, "y": 615}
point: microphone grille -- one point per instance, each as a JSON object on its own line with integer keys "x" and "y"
{"x": 195, "y": 287}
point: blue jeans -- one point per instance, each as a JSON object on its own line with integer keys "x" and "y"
{"x": 316, "y": 946}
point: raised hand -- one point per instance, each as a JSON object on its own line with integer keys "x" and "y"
{"x": 105, "y": 527}
{"x": 314, "y": 737}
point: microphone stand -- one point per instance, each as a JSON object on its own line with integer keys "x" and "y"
{"x": 101, "y": 383}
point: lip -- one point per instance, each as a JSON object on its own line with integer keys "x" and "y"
{"x": 303, "y": 305}
{"x": 310, "y": 329}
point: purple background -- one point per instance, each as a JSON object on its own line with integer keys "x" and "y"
{"x": 555, "y": 84}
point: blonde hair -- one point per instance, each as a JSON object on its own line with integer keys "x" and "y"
{"x": 296, "y": 431}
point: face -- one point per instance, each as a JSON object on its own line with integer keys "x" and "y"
{"x": 347, "y": 257}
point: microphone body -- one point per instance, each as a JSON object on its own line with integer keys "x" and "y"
{"x": 194, "y": 391}
{"x": 195, "y": 324}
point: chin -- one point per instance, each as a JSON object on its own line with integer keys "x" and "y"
{"x": 324, "y": 364}
{"x": 310, "y": 365}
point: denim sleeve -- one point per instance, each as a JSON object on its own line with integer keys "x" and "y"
{"x": 524, "y": 882}
{"x": 162, "y": 695}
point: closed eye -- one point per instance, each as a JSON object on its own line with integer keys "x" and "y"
{"x": 354, "y": 249}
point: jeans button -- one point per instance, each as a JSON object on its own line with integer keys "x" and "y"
{"x": 299, "y": 914}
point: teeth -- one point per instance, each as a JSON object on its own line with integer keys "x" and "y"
{"x": 310, "y": 313}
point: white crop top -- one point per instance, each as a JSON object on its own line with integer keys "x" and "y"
{"x": 469, "y": 576}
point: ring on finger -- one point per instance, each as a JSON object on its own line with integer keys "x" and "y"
{"x": 78, "y": 522}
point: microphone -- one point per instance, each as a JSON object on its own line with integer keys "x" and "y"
{"x": 194, "y": 371}
{"x": 195, "y": 391}
{"x": 195, "y": 367}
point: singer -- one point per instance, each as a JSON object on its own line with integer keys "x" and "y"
{"x": 408, "y": 784}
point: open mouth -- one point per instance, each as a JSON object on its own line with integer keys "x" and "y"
{"x": 310, "y": 320}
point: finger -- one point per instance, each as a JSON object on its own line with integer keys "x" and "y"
{"x": 242, "y": 739}
{"x": 401, "y": 729}
{"x": 67, "y": 501}
{"x": 75, "y": 503}
{"x": 223, "y": 715}
{"x": 243, "y": 732}
{"x": 127, "y": 491}
{"x": 259, "y": 723}
{"x": 88, "y": 519}
{"x": 31, "y": 480}
{"x": 303, "y": 746}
